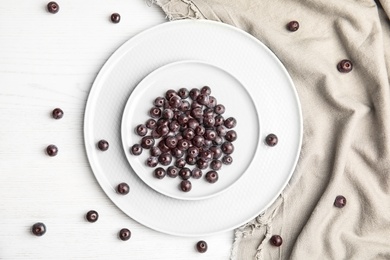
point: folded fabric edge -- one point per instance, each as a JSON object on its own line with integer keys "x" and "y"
{"x": 179, "y": 9}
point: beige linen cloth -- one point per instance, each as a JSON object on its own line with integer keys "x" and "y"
{"x": 346, "y": 142}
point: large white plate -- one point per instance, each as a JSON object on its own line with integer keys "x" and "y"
{"x": 232, "y": 50}
{"x": 227, "y": 90}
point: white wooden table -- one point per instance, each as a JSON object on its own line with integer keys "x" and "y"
{"x": 48, "y": 61}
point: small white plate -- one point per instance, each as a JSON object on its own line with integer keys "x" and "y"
{"x": 227, "y": 90}
{"x": 233, "y": 51}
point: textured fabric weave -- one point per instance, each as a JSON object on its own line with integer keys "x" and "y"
{"x": 346, "y": 142}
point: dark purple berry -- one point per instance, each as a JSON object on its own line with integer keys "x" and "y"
{"x": 159, "y": 173}
{"x": 175, "y": 102}
{"x": 177, "y": 153}
{"x": 180, "y": 163}
{"x": 172, "y": 171}
{"x": 221, "y": 131}
{"x": 151, "y": 123}
{"x": 53, "y": 7}
{"x": 231, "y": 136}
{"x": 174, "y": 126}
{"x": 185, "y": 173}
{"x": 165, "y": 159}
{"x": 123, "y": 188}
{"x": 205, "y": 90}
{"x": 212, "y": 176}
{"x": 212, "y": 102}
{"x": 206, "y": 155}
{"x": 124, "y": 234}
{"x": 185, "y": 185}
{"x": 92, "y": 216}
{"x": 192, "y": 123}
{"x": 170, "y": 93}
{"x": 183, "y": 93}
{"x": 276, "y": 240}
{"x": 196, "y": 173}
{"x": 136, "y": 149}
{"x": 183, "y": 144}
{"x": 344, "y": 66}
{"x": 216, "y": 151}
{"x": 293, "y": 26}
{"x": 198, "y": 141}
{"x": 152, "y": 161}
{"x": 159, "y": 102}
{"x": 227, "y": 159}
{"x": 340, "y": 201}
{"x": 57, "y": 113}
{"x": 201, "y": 246}
{"x": 163, "y": 147}
{"x": 210, "y": 134}
{"x": 219, "y": 109}
{"x": 215, "y": 165}
{"x": 189, "y": 133}
{"x": 147, "y": 142}
{"x": 190, "y": 160}
{"x": 155, "y": 112}
{"x": 185, "y": 105}
{"x": 227, "y": 148}
{"x": 103, "y": 145}
{"x": 193, "y": 151}
{"x": 194, "y": 93}
{"x": 171, "y": 141}
{"x": 200, "y": 130}
{"x": 115, "y": 18}
{"x": 38, "y": 229}
{"x": 202, "y": 164}
{"x": 219, "y": 120}
{"x": 230, "y": 122}
{"x": 141, "y": 130}
{"x": 203, "y": 99}
{"x": 52, "y": 150}
{"x": 271, "y": 140}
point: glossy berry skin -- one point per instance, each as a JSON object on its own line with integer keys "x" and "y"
{"x": 215, "y": 165}
{"x": 92, "y": 216}
{"x": 183, "y": 93}
{"x": 57, "y": 113}
{"x": 345, "y": 66}
{"x": 52, "y": 150}
{"x": 219, "y": 109}
{"x": 340, "y": 201}
{"x": 230, "y": 122}
{"x": 227, "y": 160}
{"x": 152, "y": 161}
{"x": 147, "y": 142}
{"x": 227, "y": 148}
{"x": 151, "y": 123}
{"x": 124, "y": 234}
{"x": 159, "y": 102}
{"x": 194, "y": 93}
{"x": 53, "y": 7}
{"x": 103, "y": 145}
{"x": 212, "y": 176}
{"x": 38, "y": 229}
{"x": 201, "y": 246}
{"x": 165, "y": 159}
{"x": 185, "y": 185}
{"x": 231, "y": 136}
{"x": 292, "y": 26}
{"x": 276, "y": 240}
{"x": 115, "y": 18}
{"x": 155, "y": 112}
{"x": 172, "y": 171}
{"x": 136, "y": 149}
{"x": 123, "y": 188}
{"x": 185, "y": 173}
{"x": 159, "y": 173}
{"x": 141, "y": 130}
{"x": 196, "y": 173}
{"x": 271, "y": 140}
{"x": 180, "y": 163}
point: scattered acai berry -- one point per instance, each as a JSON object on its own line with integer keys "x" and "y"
{"x": 123, "y": 188}
{"x": 92, "y": 216}
{"x": 276, "y": 240}
{"x": 53, "y": 7}
{"x": 340, "y": 201}
{"x": 124, "y": 234}
{"x": 345, "y": 66}
{"x": 57, "y": 113}
{"x": 201, "y": 246}
{"x": 293, "y": 26}
{"x": 38, "y": 229}
{"x": 271, "y": 140}
{"x": 115, "y": 18}
{"x": 52, "y": 150}
{"x": 103, "y": 145}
